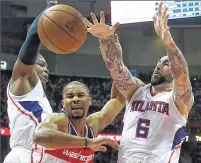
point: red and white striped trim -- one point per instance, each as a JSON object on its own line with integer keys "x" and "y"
{"x": 24, "y": 111}
{"x": 85, "y": 129}
{"x": 176, "y": 147}
{"x": 34, "y": 119}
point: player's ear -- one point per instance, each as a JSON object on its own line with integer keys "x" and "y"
{"x": 90, "y": 101}
{"x": 62, "y": 102}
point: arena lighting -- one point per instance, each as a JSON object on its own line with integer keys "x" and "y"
{"x": 3, "y": 65}
{"x": 117, "y": 137}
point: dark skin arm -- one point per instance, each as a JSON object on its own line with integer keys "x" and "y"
{"x": 99, "y": 120}
{"x": 53, "y": 134}
{"x": 183, "y": 95}
{"x": 24, "y": 77}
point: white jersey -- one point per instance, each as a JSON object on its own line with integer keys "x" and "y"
{"x": 25, "y": 113}
{"x": 153, "y": 129}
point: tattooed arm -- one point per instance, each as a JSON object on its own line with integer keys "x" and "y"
{"x": 182, "y": 92}
{"x": 183, "y": 95}
{"x": 112, "y": 55}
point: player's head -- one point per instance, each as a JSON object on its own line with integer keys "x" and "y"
{"x": 162, "y": 73}
{"x": 76, "y": 100}
{"x": 41, "y": 68}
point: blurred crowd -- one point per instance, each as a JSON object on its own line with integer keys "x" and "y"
{"x": 100, "y": 92}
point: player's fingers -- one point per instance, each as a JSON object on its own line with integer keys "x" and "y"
{"x": 102, "y": 17}
{"x": 89, "y": 30}
{"x": 115, "y": 26}
{"x": 116, "y": 38}
{"x": 87, "y": 23}
{"x": 95, "y": 20}
{"x": 166, "y": 29}
{"x": 154, "y": 19}
{"x": 102, "y": 149}
{"x": 165, "y": 21}
{"x": 160, "y": 9}
{"x": 115, "y": 145}
{"x": 105, "y": 140}
{"x": 164, "y": 13}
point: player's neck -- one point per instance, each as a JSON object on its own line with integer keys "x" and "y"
{"x": 167, "y": 87}
{"x": 79, "y": 125}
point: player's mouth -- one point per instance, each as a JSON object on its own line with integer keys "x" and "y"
{"x": 156, "y": 73}
{"x": 77, "y": 108}
{"x": 45, "y": 77}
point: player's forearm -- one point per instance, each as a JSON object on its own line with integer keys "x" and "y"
{"x": 178, "y": 62}
{"x": 114, "y": 91}
{"x": 111, "y": 109}
{"x": 112, "y": 56}
{"x": 179, "y": 67}
{"x": 29, "y": 50}
{"x": 49, "y": 138}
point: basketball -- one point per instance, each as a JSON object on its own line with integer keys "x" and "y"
{"x": 61, "y": 29}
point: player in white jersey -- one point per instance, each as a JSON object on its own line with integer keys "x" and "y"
{"x": 156, "y": 114}
{"x": 27, "y": 102}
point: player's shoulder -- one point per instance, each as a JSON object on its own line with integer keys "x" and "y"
{"x": 92, "y": 120}
{"x": 142, "y": 88}
{"x": 58, "y": 118}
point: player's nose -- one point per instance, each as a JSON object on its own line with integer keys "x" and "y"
{"x": 158, "y": 66}
{"x": 75, "y": 99}
{"x": 46, "y": 70}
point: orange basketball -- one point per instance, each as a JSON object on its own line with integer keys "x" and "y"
{"x": 61, "y": 29}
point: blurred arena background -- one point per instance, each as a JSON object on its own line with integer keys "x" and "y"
{"x": 141, "y": 50}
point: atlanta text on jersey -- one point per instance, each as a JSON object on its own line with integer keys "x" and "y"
{"x": 143, "y": 106}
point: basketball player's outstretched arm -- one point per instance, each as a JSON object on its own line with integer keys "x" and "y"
{"x": 99, "y": 120}
{"x": 53, "y": 134}
{"x": 24, "y": 77}
{"x": 183, "y": 95}
{"x": 112, "y": 54}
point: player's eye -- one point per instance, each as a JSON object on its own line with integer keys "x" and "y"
{"x": 80, "y": 95}
{"x": 69, "y": 96}
{"x": 41, "y": 64}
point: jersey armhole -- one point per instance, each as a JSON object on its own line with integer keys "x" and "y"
{"x": 128, "y": 103}
{"x": 39, "y": 84}
{"x": 92, "y": 132}
{"x": 135, "y": 94}
{"x": 176, "y": 111}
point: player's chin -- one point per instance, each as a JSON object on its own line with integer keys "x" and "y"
{"x": 44, "y": 80}
{"x": 77, "y": 116}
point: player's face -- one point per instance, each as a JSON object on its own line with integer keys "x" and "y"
{"x": 41, "y": 68}
{"x": 162, "y": 73}
{"x": 76, "y": 101}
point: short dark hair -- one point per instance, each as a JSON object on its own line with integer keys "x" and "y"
{"x": 75, "y": 83}
{"x": 40, "y": 56}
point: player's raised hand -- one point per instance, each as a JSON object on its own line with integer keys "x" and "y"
{"x": 96, "y": 144}
{"x": 100, "y": 29}
{"x": 161, "y": 23}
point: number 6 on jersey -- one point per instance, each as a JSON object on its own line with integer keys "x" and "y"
{"x": 142, "y": 128}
